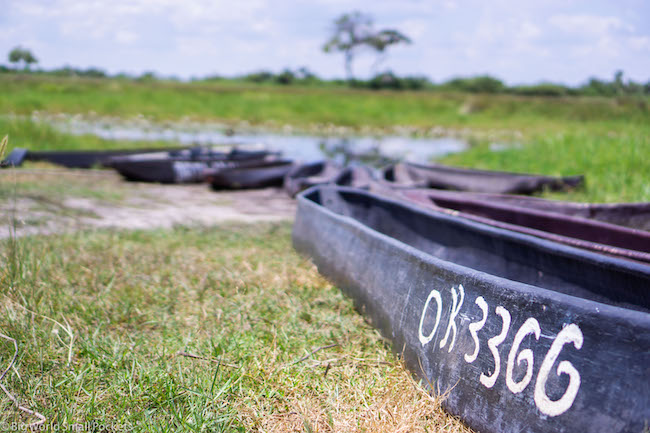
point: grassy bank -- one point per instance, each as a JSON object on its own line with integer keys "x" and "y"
{"x": 301, "y": 106}
{"x": 616, "y": 166}
{"x": 607, "y": 139}
{"x": 40, "y": 136}
{"x": 221, "y": 329}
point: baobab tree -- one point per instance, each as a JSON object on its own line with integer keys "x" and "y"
{"x": 354, "y": 32}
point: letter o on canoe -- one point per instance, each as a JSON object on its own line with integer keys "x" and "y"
{"x": 426, "y": 339}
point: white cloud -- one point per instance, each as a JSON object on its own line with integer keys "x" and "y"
{"x": 125, "y": 37}
{"x": 589, "y": 24}
{"x": 639, "y": 43}
{"x": 415, "y": 28}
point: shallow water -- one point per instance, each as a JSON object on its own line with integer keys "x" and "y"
{"x": 373, "y": 150}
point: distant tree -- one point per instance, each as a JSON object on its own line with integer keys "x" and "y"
{"x": 384, "y": 39}
{"x": 354, "y": 32}
{"x": 478, "y": 84}
{"x": 303, "y": 73}
{"x": 19, "y": 54}
{"x": 259, "y": 77}
{"x": 618, "y": 84}
{"x": 285, "y": 77}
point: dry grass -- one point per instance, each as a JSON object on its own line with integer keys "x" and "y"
{"x": 400, "y": 405}
{"x": 105, "y": 322}
{"x": 51, "y": 184}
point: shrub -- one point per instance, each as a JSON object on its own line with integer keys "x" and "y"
{"x": 479, "y": 84}
{"x": 542, "y": 89}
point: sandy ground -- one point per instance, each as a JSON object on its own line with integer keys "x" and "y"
{"x": 141, "y": 205}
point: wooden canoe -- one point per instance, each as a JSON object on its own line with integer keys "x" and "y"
{"x": 74, "y": 158}
{"x": 185, "y": 166}
{"x": 519, "y": 333}
{"x": 591, "y": 234}
{"x": 303, "y": 176}
{"x": 465, "y": 179}
{"x": 633, "y": 215}
{"x": 253, "y": 175}
{"x": 306, "y": 176}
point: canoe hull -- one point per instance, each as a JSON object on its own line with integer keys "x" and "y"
{"x": 162, "y": 171}
{"x": 254, "y": 176}
{"x": 437, "y": 313}
{"x": 84, "y": 158}
{"x": 186, "y": 166}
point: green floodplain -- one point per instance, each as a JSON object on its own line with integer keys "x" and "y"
{"x": 605, "y": 138}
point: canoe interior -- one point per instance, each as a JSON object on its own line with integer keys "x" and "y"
{"x": 497, "y": 252}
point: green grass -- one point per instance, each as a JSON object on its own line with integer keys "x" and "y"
{"x": 100, "y": 319}
{"x": 616, "y": 166}
{"x": 40, "y": 136}
{"x": 301, "y": 106}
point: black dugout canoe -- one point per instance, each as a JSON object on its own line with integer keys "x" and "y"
{"x": 306, "y": 176}
{"x": 633, "y": 215}
{"x": 465, "y": 179}
{"x": 253, "y": 175}
{"x": 572, "y": 230}
{"x": 523, "y": 334}
{"x": 357, "y": 176}
{"x": 184, "y": 166}
{"x": 303, "y": 176}
{"x": 74, "y": 158}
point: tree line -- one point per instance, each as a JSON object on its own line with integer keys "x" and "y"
{"x": 353, "y": 34}
{"x": 617, "y": 86}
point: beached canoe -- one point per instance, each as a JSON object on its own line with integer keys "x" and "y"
{"x": 306, "y": 176}
{"x": 520, "y": 333}
{"x": 73, "y": 158}
{"x": 303, "y": 176}
{"x": 633, "y": 215}
{"x": 250, "y": 175}
{"x": 357, "y": 176}
{"x": 568, "y": 229}
{"x": 185, "y": 166}
{"x": 465, "y": 179}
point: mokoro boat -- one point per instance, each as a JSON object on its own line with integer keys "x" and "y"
{"x": 521, "y": 333}
{"x": 633, "y": 215}
{"x": 572, "y": 230}
{"x": 357, "y": 176}
{"x": 465, "y": 179}
{"x": 252, "y": 175}
{"x": 73, "y": 158}
{"x": 303, "y": 176}
{"x": 185, "y": 166}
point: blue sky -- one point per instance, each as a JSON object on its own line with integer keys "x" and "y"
{"x": 519, "y": 41}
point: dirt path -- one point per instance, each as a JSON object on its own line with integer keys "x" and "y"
{"x": 59, "y": 200}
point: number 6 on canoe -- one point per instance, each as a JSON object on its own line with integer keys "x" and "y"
{"x": 569, "y": 334}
